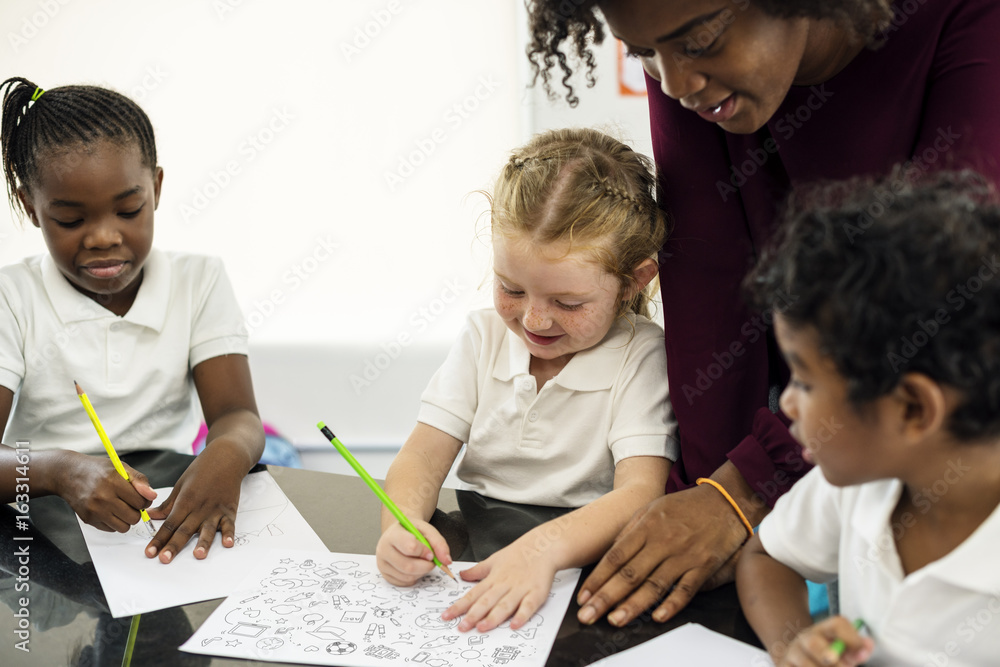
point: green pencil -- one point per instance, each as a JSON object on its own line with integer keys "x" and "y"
{"x": 386, "y": 500}
{"x": 838, "y": 646}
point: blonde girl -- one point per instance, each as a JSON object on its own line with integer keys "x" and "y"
{"x": 559, "y": 392}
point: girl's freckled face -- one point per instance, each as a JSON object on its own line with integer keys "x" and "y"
{"x": 559, "y": 302}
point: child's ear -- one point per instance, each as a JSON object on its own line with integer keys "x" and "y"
{"x": 924, "y": 405}
{"x": 157, "y": 184}
{"x": 29, "y": 207}
{"x": 643, "y": 274}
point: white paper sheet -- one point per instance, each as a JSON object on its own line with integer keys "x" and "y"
{"x": 334, "y": 608}
{"x": 690, "y": 644}
{"x": 135, "y": 584}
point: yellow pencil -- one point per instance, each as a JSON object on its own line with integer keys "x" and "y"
{"x": 115, "y": 461}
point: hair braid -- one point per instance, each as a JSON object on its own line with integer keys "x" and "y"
{"x": 587, "y": 189}
{"x": 64, "y": 117}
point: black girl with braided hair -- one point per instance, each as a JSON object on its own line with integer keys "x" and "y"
{"x": 140, "y": 329}
{"x": 748, "y": 99}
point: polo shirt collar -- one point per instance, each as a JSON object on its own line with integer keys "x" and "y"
{"x": 963, "y": 567}
{"x": 149, "y": 309}
{"x": 872, "y": 523}
{"x": 591, "y": 370}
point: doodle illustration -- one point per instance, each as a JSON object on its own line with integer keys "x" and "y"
{"x": 248, "y": 629}
{"x": 304, "y": 607}
{"x": 341, "y": 648}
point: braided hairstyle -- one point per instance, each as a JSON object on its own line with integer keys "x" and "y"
{"x": 577, "y": 21}
{"x": 64, "y": 118}
{"x": 587, "y": 189}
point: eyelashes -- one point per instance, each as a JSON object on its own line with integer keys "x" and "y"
{"x": 517, "y": 294}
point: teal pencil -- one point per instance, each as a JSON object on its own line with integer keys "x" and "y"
{"x": 386, "y": 500}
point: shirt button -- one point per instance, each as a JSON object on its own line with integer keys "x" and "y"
{"x": 533, "y": 417}
{"x": 115, "y": 326}
{"x": 116, "y": 357}
{"x": 527, "y": 385}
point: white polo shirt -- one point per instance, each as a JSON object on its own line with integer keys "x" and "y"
{"x": 559, "y": 446}
{"x": 945, "y": 613}
{"x": 135, "y": 369}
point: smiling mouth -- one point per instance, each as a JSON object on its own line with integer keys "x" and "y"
{"x": 542, "y": 340}
{"x": 105, "y": 270}
{"x": 721, "y": 112}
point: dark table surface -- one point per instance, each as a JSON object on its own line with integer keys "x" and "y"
{"x": 70, "y": 623}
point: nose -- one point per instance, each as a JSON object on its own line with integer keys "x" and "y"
{"x": 679, "y": 78}
{"x": 536, "y": 317}
{"x": 787, "y": 402}
{"x": 103, "y": 232}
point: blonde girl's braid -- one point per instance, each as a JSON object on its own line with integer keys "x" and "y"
{"x": 587, "y": 189}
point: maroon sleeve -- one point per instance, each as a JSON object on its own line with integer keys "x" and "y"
{"x": 769, "y": 458}
{"x": 927, "y": 99}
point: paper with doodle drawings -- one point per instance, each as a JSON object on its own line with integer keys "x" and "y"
{"x": 334, "y": 608}
{"x": 135, "y": 584}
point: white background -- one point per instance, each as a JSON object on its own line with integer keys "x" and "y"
{"x": 330, "y": 152}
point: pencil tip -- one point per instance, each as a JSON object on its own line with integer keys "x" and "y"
{"x": 79, "y": 390}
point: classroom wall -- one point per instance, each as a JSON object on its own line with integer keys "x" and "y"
{"x": 330, "y": 152}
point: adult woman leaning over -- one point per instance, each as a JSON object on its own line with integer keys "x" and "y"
{"x": 748, "y": 99}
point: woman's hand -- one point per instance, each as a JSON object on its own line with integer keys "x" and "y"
{"x": 98, "y": 494}
{"x": 403, "y": 560}
{"x": 514, "y": 581}
{"x": 672, "y": 549}
{"x": 203, "y": 502}
{"x": 814, "y": 646}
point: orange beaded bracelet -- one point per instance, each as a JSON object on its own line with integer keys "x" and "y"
{"x": 743, "y": 517}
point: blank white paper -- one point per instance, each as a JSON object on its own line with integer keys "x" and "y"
{"x": 690, "y": 644}
{"x": 135, "y": 584}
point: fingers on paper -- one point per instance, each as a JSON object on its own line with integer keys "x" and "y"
{"x": 477, "y": 572}
{"x": 171, "y": 538}
{"x": 206, "y": 535}
{"x": 489, "y": 604}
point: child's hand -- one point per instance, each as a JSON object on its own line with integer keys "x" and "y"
{"x": 101, "y": 496}
{"x": 403, "y": 560}
{"x": 812, "y": 646}
{"x": 203, "y": 502}
{"x": 515, "y": 582}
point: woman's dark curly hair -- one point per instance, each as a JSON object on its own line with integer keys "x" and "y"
{"x": 556, "y": 21}
{"x": 896, "y": 276}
